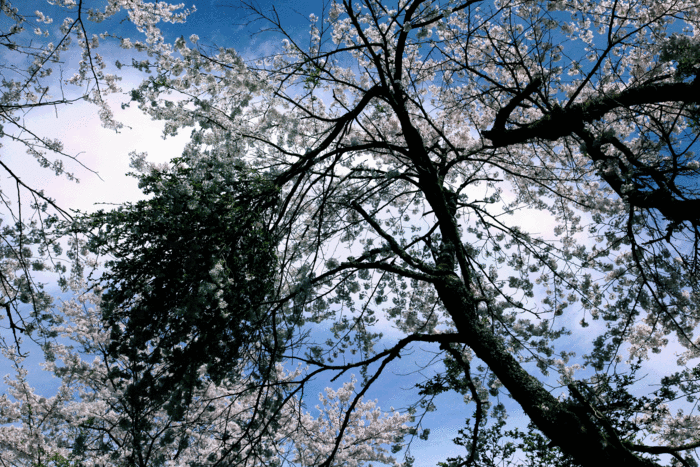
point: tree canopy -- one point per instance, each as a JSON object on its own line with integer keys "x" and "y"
{"x": 377, "y": 172}
{"x": 190, "y": 265}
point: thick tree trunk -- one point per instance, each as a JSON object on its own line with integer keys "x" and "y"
{"x": 576, "y": 436}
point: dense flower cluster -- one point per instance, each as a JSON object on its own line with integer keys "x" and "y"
{"x": 93, "y": 421}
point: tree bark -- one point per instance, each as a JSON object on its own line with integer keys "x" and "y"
{"x": 575, "y": 435}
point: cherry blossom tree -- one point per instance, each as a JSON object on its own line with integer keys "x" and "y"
{"x": 95, "y": 420}
{"x": 96, "y": 417}
{"x": 49, "y": 59}
{"x": 380, "y": 162}
{"x": 396, "y": 143}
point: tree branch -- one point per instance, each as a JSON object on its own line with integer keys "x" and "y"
{"x": 561, "y": 122}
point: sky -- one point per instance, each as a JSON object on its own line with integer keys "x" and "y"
{"x": 105, "y": 153}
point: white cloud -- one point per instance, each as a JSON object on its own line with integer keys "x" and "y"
{"x": 98, "y": 149}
